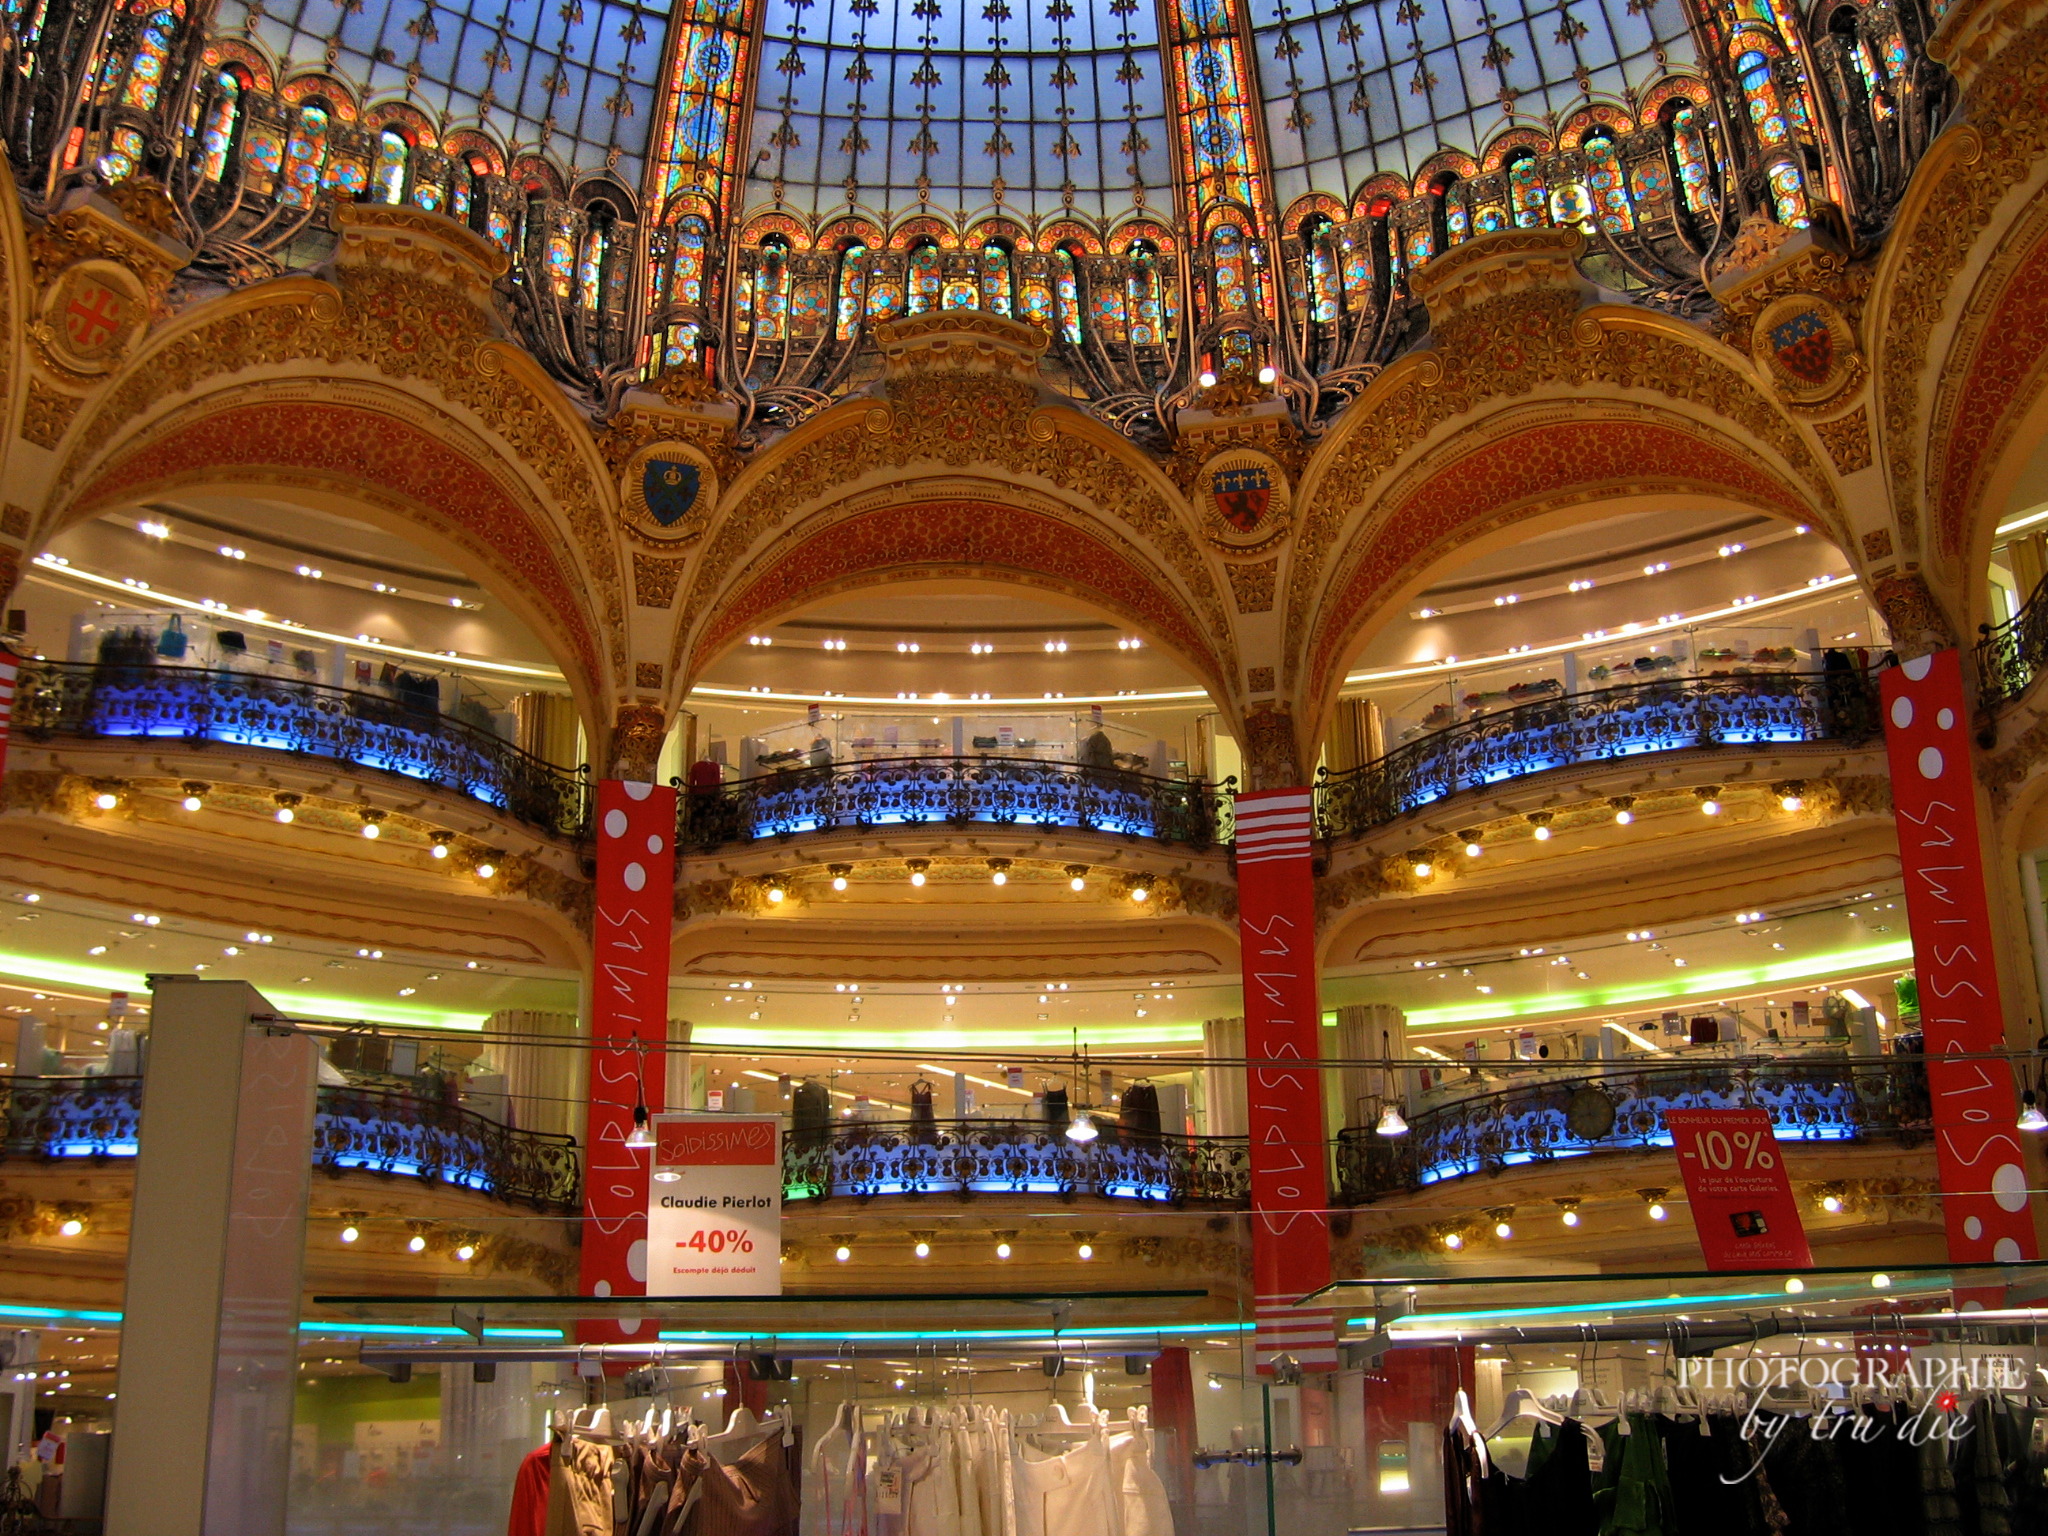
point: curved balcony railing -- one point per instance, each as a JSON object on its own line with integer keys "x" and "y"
{"x": 198, "y": 704}
{"x": 2011, "y": 655}
{"x": 1666, "y": 716}
{"x": 957, "y": 792}
{"x": 1832, "y": 1100}
{"x": 374, "y": 1131}
{"x": 966, "y": 1158}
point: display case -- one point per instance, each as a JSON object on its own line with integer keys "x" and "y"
{"x": 844, "y": 736}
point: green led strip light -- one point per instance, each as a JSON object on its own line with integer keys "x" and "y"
{"x": 1705, "y": 983}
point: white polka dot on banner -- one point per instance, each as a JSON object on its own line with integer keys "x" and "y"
{"x": 654, "y": 843}
{"x": 1946, "y": 719}
{"x": 636, "y": 790}
{"x": 2006, "y": 1251}
{"x": 1971, "y": 1306}
{"x": 636, "y": 1260}
{"x": 2009, "y": 1187}
{"x": 1918, "y": 668}
{"x": 1902, "y": 711}
{"x": 602, "y": 1288}
{"x": 1973, "y": 1227}
{"x": 629, "y": 1325}
{"x": 614, "y": 823}
{"x": 1930, "y": 762}
{"x": 635, "y": 877}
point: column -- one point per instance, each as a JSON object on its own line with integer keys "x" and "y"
{"x": 631, "y": 924}
{"x": 1284, "y": 1096}
{"x": 1223, "y": 1087}
{"x": 1978, "y": 1155}
{"x": 210, "y": 1332}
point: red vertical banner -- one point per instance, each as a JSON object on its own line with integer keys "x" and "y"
{"x": 1977, "y": 1151}
{"x": 10, "y": 671}
{"x": 1284, "y": 1099}
{"x": 631, "y": 925}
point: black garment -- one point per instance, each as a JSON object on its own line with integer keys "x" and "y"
{"x": 1881, "y": 1475}
{"x": 1702, "y": 1504}
{"x": 810, "y": 1113}
{"x": 1464, "y": 1485}
{"x": 1555, "y": 1499}
{"x": 1056, "y": 1110}
{"x": 923, "y": 1122}
{"x": 1138, "y": 1112}
{"x": 1806, "y": 1476}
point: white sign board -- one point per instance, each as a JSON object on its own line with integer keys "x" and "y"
{"x": 714, "y": 1206}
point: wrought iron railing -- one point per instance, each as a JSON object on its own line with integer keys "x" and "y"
{"x": 957, "y": 791}
{"x": 1013, "y": 1157}
{"x": 1830, "y": 1100}
{"x": 1665, "y": 716}
{"x": 199, "y": 704}
{"x": 369, "y": 1130}
{"x": 2011, "y": 655}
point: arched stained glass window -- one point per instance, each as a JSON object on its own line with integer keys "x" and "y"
{"x": 1419, "y": 245}
{"x": 392, "y": 154}
{"x": 1605, "y": 181}
{"x": 590, "y": 270}
{"x": 1144, "y": 287}
{"x": 995, "y": 279}
{"x": 686, "y": 265}
{"x": 1788, "y": 194}
{"x": 466, "y": 191}
{"x": 152, "y": 53}
{"x": 1689, "y": 154}
{"x": 1354, "y": 254}
{"x": 771, "y": 289}
{"x": 682, "y": 345}
{"x": 1571, "y": 206}
{"x": 1457, "y": 219}
{"x": 123, "y": 153}
{"x": 924, "y": 279}
{"x": 1760, "y": 90}
{"x": 1319, "y": 263}
{"x": 853, "y": 273}
{"x": 1068, "y": 295}
{"x": 885, "y": 296}
{"x": 1527, "y": 194}
{"x": 1034, "y": 296}
{"x": 1488, "y": 218}
{"x": 1233, "y": 290}
{"x": 561, "y": 255}
{"x": 962, "y": 291}
{"x": 304, "y": 153}
{"x": 217, "y": 139}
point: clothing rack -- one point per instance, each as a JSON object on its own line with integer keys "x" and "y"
{"x": 397, "y": 1360}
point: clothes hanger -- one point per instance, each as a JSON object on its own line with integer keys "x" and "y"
{"x": 1521, "y": 1404}
{"x": 1461, "y": 1416}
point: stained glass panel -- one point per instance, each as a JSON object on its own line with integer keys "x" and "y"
{"x": 995, "y": 280}
{"x": 1689, "y": 150}
{"x": 1525, "y": 185}
{"x": 1068, "y": 295}
{"x": 392, "y": 154}
{"x": 219, "y": 135}
{"x": 852, "y": 283}
{"x": 152, "y": 52}
{"x": 924, "y": 279}
{"x": 1604, "y": 180}
{"x": 573, "y": 78}
{"x": 303, "y": 155}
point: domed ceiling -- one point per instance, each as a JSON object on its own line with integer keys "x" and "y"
{"x": 1044, "y": 105}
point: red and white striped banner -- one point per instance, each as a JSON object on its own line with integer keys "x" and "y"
{"x": 1284, "y": 1099}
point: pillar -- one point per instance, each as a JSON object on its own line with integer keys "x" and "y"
{"x": 216, "y": 1249}
{"x": 1370, "y": 1032}
{"x": 676, "y": 1088}
{"x": 1223, "y": 1086}
{"x": 545, "y": 1080}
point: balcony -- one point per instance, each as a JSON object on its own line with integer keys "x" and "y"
{"x": 956, "y": 792}
{"x": 2011, "y": 655}
{"x": 1835, "y": 1099}
{"x": 198, "y": 705}
{"x": 1608, "y": 724}
{"x": 354, "y": 1129}
{"x": 966, "y": 1158}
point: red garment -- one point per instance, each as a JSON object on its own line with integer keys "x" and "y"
{"x": 530, "y": 1496}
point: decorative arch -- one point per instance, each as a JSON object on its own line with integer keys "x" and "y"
{"x": 1379, "y": 195}
{"x": 328, "y": 89}
{"x": 416, "y": 125}
{"x": 1509, "y": 470}
{"x": 1431, "y": 175}
{"x": 762, "y": 225}
{"x": 537, "y": 173}
{"x": 1070, "y": 232}
{"x": 1986, "y": 421}
{"x": 464, "y": 143}
{"x": 1586, "y": 119}
{"x": 923, "y": 228}
{"x": 841, "y": 232}
{"x": 959, "y": 538}
{"x": 224, "y": 51}
{"x": 1313, "y": 202}
{"x": 1505, "y": 144}
{"x": 374, "y": 452}
{"x": 1128, "y": 233}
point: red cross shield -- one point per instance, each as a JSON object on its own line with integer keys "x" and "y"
{"x": 94, "y": 316}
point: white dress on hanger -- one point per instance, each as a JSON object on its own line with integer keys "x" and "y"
{"x": 1068, "y": 1494}
{"x": 1146, "y": 1508}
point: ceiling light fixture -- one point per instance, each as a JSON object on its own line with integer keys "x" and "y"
{"x": 287, "y": 806}
{"x": 999, "y": 871}
{"x": 195, "y": 794}
{"x": 839, "y": 872}
{"x": 1708, "y": 796}
{"x": 1624, "y": 812}
{"x": 917, "y": 868}
{"x": 1077, "y": 877}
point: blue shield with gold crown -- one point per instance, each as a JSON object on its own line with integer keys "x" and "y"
{"x": 670, "y": 488}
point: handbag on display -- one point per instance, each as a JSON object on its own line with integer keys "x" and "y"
{"x": 172, "y": 640}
